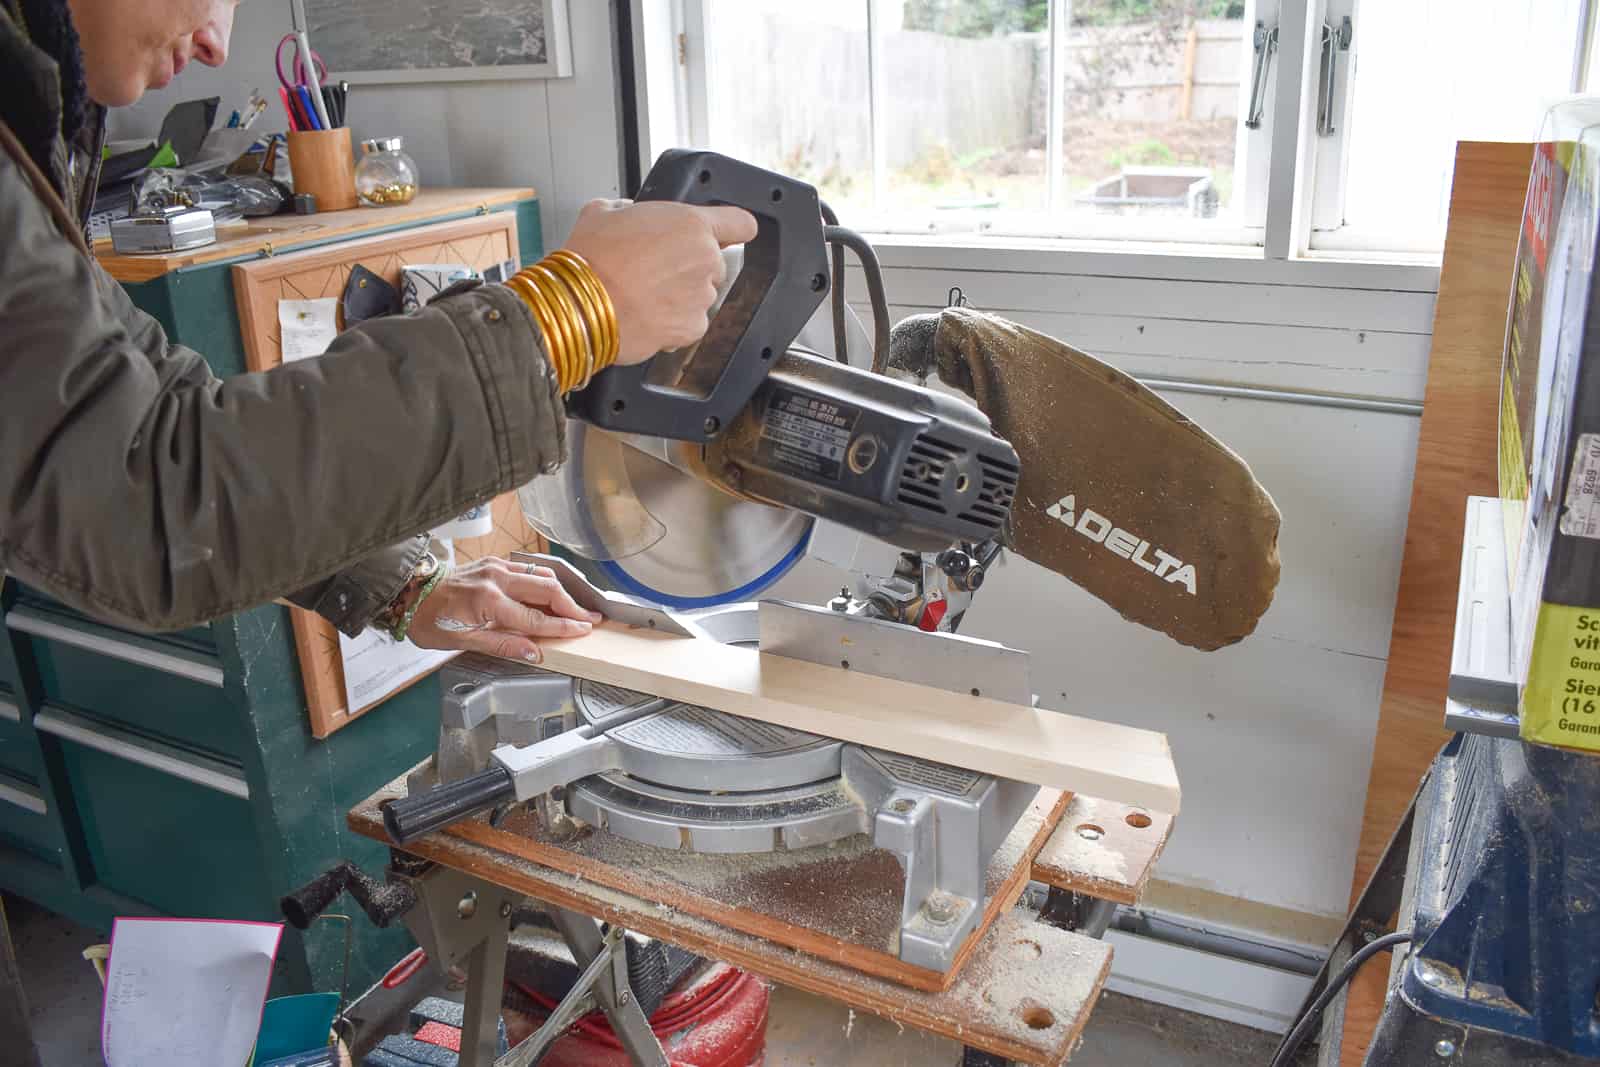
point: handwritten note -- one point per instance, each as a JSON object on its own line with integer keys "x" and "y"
{"x": 307, "y": 327}
{"x": 186, "y": 991}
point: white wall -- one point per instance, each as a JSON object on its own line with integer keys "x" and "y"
{"x": 559, "y": 136}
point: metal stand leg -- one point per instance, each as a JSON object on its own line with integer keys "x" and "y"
{"x": 604, "y": 984}
{"x": 486, "y": 981}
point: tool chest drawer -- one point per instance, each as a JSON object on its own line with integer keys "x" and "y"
{"x": 17, "y": 752}
{"x": 26, "y": 821}
{"x": 160, "y": 823}
{"x": 153, "y": 685}
{"x": 196, "y": 638}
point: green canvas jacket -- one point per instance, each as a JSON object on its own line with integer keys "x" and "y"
{"x": 137, "y": 486}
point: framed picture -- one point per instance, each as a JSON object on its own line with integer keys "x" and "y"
{"x": 407, "y": 41}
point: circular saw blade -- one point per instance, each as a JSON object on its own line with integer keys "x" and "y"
{"x": 716, "y": 548}
{"x": 675, "y": 540}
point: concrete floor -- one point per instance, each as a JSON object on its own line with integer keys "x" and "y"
{"x": 804, "y": 1031}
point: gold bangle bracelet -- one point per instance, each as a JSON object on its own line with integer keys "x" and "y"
{"x": 598, "y": 337}
{"x": 608, "y": 313}
{"x": 564, "y": 314}
{"x": 560, "y": 343}
{"x": 583, "y": 332}
{"x": 597, "y": 305}
{"x": 554, "y": 345}
{"x": 574, "y": 312}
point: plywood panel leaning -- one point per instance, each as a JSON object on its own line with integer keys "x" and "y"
{"x": 1456, "y": 458}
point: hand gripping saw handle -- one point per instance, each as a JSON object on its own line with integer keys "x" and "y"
{"x": 693, "y": 394}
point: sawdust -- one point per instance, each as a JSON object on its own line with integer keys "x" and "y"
{"x": 1093, "y": 858}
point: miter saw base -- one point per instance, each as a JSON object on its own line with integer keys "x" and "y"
{"x": 681, "y": 777}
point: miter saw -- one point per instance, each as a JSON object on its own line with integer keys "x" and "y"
{"x": 697, "y": 480}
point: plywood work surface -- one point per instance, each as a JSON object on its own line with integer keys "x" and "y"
{"x": 1036, "y": 745}
{"x": 1103, "y": 849}
{"x": 1025, "y": 994}
{"x": 841, "y": 902}
{"x": 1456, "y": 458}
{"x": 277, "y": 234}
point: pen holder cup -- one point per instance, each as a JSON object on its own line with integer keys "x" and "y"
{"x": 324, "y": 166}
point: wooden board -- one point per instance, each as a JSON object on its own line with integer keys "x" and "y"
{"x": 277, "y": 234}
{"x": 1049, "y": 748}
{"x": 478, "y": 242}
{"x": 1456, "y": 458}
{"x": 1103, "y": 849}
{"x": 1025, "y": 994}
{"x": 790, "y": 898}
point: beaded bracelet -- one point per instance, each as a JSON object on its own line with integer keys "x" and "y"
{"x": 399, "y": 630}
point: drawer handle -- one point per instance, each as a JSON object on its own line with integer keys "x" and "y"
{"x": 9, "y": 710}
{"x": 192, "y": 666}
{"x": 23, "y": 796}
{"x": 125, "y": 744}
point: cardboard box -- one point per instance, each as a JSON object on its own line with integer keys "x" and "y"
{"x": 1550, "y": 437}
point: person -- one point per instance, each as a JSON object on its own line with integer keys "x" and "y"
{"x": 138, "y": 487}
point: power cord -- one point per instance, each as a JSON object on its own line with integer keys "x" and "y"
{"x": 839, "y": 235}
{"x": 1302, "y": 1028}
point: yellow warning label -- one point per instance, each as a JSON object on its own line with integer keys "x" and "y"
{"x": 1561, "y": 700}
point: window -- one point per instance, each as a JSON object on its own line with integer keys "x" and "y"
{"x": 1425, "y": 75}
{"x": 1304, "y": 126}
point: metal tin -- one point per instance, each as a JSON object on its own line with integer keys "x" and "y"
{"x": 174, "y": 230}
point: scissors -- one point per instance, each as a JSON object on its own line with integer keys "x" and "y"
{"x": 307, "y": 68}
{"x": 297, "y": 76}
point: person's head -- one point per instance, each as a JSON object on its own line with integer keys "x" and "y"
{"x": 130, "y": 46}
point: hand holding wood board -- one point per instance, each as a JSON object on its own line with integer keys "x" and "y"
{"x": 1037, "y": 745}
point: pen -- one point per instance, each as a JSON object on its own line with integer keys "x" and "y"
{"x": 288, "y": 108}
{"x": 312, "y": 116}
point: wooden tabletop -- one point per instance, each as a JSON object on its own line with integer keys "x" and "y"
{"x": 281, "y": 233}
{"x": 1103, "y": 849}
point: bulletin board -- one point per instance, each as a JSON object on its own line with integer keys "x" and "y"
{"x": 258, "y": 286}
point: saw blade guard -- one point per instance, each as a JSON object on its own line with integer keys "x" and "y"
{"x": 590, "y": 505}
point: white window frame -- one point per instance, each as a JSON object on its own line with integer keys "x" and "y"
{"x": 1322, "y": 230}
{"x": 1273, "y": 246}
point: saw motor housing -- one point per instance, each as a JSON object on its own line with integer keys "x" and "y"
{"x": 908, "y": 465}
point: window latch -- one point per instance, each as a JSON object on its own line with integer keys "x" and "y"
{"x": 1334, "y": 41}
{"x": 1266, "y": 43}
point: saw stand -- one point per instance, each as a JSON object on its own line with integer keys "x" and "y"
{"x": 693, "y": 781}
{"x": 463, "y": 921}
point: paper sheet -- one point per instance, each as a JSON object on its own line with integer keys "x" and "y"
{"x": 307, "y": 327}
{"x": 186, "y": 991}
{"x": 376, "y": 665}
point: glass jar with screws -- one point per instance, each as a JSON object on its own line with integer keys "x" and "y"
{"x": 385, "y": 176}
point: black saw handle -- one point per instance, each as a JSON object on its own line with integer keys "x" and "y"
{"x": 694, "y": 396}
{"x": 410, "y": 817}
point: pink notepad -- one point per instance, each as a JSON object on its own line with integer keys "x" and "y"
{"x": 186, "y": 991}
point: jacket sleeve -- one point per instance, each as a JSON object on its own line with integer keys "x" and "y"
{"x": 353, "y": 596}
{"x": 137, "y": 486}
